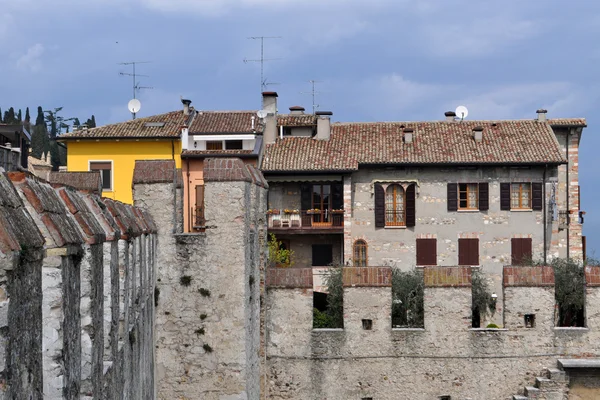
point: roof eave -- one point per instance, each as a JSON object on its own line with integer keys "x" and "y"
{"x": 64, "y": 139}
{"x": 220, "y": 155}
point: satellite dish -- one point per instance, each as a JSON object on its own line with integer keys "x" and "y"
{"x": 262, "y": 114}
{"x": 134, "y": 106}
{"x": 462, "y": 112}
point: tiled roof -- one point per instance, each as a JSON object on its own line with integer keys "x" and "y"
{"x": 568, "y": 122}
{"x": 351, "y": 144}
{"x": 215, "y": 152}
{"x": 216, "y": 122}
{"x": 166, "y": 125}
{"x": 153, "y": 171}
{"x": 296, "y": 120}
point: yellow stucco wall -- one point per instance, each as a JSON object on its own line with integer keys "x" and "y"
{"x": 123, "y": 155}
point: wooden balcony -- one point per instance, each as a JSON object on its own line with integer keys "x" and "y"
{"x": 306, "y": 221}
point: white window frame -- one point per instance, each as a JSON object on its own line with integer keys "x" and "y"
{"x": 112, "y": 172}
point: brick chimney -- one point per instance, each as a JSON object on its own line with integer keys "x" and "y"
{"x": 541, "y": 115}
{"x": 478, "y": 134}
{"x": 296, "y": 110}
{"x": 269, "y": 102}
{"x": 450, "y": 116}
{"x": 186, "y": 106}
{"x": 323, "y": 125}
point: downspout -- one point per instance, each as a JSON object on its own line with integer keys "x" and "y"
{"x": 545, "y": 211}
{"x": 187, "y": 183}
{"x": 174, "y": 187}
{"x": 567, "y": 193}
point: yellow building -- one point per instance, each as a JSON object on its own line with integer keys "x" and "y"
{"x": 113, "y": 149}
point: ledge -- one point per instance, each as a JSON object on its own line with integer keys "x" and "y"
{"x": 579, "y": 363}
{"x": 408, "y": 330}
{"x": 570, "y": 329}
{"x": 328, "y": 329}
{"x": 488, "y": 330}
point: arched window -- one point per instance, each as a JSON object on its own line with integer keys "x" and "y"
{"x": 395, "y": 209}
{"x": 360, "y": 253}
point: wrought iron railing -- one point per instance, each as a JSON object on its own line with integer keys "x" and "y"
{"x": 395, "y": 218}
{"x": 306, "y": 219}
{"x": 198, "y": 220}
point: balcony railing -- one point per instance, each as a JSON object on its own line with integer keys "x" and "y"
{"x": 198, "y": 220}
{"x": 306, "y": 219}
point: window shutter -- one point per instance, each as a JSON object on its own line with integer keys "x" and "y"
{"x": 337, "y": 196}
{"x": 521, "y": 250}
{"x": 474, "y": 252}
{"x": 537, "y": 200}
{"x": 305, "y": 197}
{"x": 468, "y": 251}
{"x": 452, "y": 197}
{"x": 484, "y": 196}
{"x": 505, "y": 196}
{"x": 379, "y": 206}
{"x": 426, "y": 252}
{"x": 410, "y": 206}
{"x": 463, "y": 249}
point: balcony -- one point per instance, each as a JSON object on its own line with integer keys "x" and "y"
{"x": 198, "y": 220}
{"x": 306, "y": 221}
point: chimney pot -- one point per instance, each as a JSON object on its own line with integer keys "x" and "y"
{"x": 541, "y": 114}
{"x": 324, "y": 113}
{"x": 450, "y": 116}
{"x": 297, "y": 110}
{"x": 269, "y": 102}
{"x": 186, "y": 106}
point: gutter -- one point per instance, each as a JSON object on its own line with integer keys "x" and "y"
{"x": 545, "y": 211}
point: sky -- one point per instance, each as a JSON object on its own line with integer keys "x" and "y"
{"x": 375, "y": 60}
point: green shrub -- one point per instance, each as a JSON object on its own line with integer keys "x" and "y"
{"x": 407, "y": 299}
{"x": 333, "y": 316}
{"x": 492, "y": 326}
{"x": 482, "y": 304}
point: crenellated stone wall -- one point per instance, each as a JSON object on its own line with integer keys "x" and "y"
{"x": 60, "y": 293}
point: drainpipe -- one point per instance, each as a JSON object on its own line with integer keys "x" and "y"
{"x": 545, "y": 211}
{"x": 187, "y": 183}
{"x": 174, "y": 187}
{"x": 568, "y": 189}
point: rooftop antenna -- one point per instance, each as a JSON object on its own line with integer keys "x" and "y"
{"x": 313, "y": 92}
{"x": 263, "y": 81}
{"x": 461, "y": 112}
{"x": 136, "y": 85}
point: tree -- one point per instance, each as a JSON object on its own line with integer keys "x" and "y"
{"x": 91, "y": 122}
{"x": 482, "y": 303}
{"x": 333, "y": 316}
{"x": 19, "y": 116}
{"x": 40, "y": 117}
{"x": 1, "y": 120}
{"x": 10, "y": 117}
{"x": 76, "y": 122}
{"x": 279, "y": 256}
{"x": 27, "y": 116}
{"x": 40, "y": 143}
{"x": 408, "y": 292}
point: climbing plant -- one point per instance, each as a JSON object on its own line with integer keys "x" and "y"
{"x": 482, "y": 304}
{"x": 279, "y": 256}
{"x": 333, "y": 316}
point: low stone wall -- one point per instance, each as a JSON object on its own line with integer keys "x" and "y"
{"x": 368, "y": 358}
{"x": 60, "y": 288}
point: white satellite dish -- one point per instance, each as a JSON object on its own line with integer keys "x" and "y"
{"x": 461, "y": 112}
{"x": 262, "y": 114}
{"x": 134, "y": 106}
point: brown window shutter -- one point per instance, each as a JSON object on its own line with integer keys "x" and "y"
{"x": 521, "y": 250}
{"x": 379, "y": 206}
{"x": 426, "y": 251}
{"x": 463, "y": 249}
{"x": 484, "y": 196}
{"x": 537, "y": 200}
{"x": 505, "y": 196}
{"x": 452, "y": 197}
{"x": 474, "y": 252}
{"x": 468, "y": 251}
{"x": 410, "y": 206}
{"x": 95, "y": 166}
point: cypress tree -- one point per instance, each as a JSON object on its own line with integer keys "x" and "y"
{"x": 19, "y": 116}
{"x": 27, "y": 116}
{"x": 1, "y": 120}
{"x": 40, "y": 117}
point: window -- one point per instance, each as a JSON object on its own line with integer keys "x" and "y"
{"x": 468, "y": 251}
{"x": 321, "y": 203}
{"x": 394, "y": 206}
{"x": 426, "y": 251}
{"x": 520, "y": 250}
{"x": 198, "y": 220}
{"x": 214, "y": 145}
{"x": 234, "y": 145}
{"x": 360, "y": 253}
{"x": 468, "y": 196}
{"x": 520, "y": 196}
{"x": 105, "y": 168}
{"x": 322, "y": 255}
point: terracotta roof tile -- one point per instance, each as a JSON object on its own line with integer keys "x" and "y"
{"x": 224, "y": 122}
{"x": 568, "y": 122}
{"x": 351, "y": 144}
{"x": 166, "y": 125}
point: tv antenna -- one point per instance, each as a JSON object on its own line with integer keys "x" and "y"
{"x": 262, "y": 60}
{"x": 134, "y": 106}
{"x": 313, "y": 93}
{"x": 462, "y": 112}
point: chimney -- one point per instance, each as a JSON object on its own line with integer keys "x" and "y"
{"x": 541, "y": 115}
{"x": 270, "y": 129}
{"x": 296, "y": 110}
{"x": 186, "y": 106}
{"x": 408, "y": 135}
{"x": 269, "y": 102}
{"x": 323, "y": 125}
{"x": 450, "y": 116}
{"x": 185, "y": 140}
{"x": 478, "y": 134}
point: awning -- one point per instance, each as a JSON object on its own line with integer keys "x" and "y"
{"x": 305, "y": 178}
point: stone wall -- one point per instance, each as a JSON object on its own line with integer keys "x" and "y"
{"x": 60, "y": 294}
{"x": 208, "y": 285}
{"x": 447, "y": 357}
